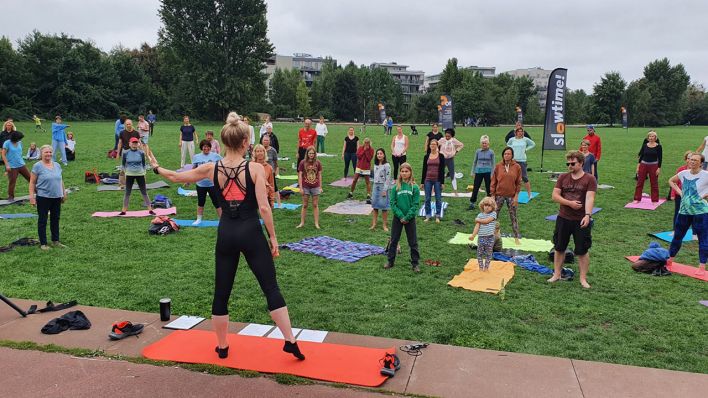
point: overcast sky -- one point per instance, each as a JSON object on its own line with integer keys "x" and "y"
{"x": 587, "y": 37}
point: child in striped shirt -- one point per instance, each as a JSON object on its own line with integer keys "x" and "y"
{"x": 485, "y": 226}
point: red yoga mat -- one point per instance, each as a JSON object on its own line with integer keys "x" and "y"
{"x": 677, "y": 268}
{"x": 328, "y": 362}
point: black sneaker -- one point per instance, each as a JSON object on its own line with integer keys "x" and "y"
{"x": 472, "y": 206}
{"x": 350, "y": 195}
{"x": 368, "y": 199}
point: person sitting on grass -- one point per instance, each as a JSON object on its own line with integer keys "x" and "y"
{"x": 134, "y": 165}
{"x": 32, "y": 152}
{"x": 70, "y": 147}
{"x": 484, "y": 228}
{"x": 364, "y": 154}
{"x": 405, "y": 201}
{"x": 309, "y": 179}
{"x": 260, "y": 155}
{"x": 206, "y": 186}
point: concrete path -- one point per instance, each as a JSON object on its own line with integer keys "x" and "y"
{"x": 441, "y": 370}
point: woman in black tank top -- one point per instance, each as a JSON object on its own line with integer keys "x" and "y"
{"x": 242, "y": 195}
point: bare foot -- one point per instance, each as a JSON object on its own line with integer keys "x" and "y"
{"x": 517, "y": 241}
{"x": 427, "y": 219}
{"x": 554, "y": 278}
{"x": 437, "y": 220}
{"x": 372, "y": 226}
{"x": 300, "y": 225}
{"x": 385, "y": 228}
{"x": 635, "y": 202}
{"x": 317, "y": 226}
{"x": 585, "y": 284}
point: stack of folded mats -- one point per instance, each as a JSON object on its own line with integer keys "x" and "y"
{"x": 335, "y": 249}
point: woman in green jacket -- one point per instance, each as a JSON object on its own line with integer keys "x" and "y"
{"x": 405, "y": 202}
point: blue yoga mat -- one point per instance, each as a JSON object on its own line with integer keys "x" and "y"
{"x": 16, "y": 215}
{"x": 203, "y": 224}
{"x": 553, "y": 217}
{"x": 524, "y": 197}
{"x": 186, "y": 192}
{"x": 288, "y": 206}
{"x": 668, "y": 236}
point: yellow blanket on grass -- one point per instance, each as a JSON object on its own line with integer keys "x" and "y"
{"x": 489, "y": 282}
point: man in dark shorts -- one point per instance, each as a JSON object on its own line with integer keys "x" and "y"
{"x": 575, "y": 192}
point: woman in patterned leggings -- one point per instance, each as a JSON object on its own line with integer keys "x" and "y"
{"x": 506, "y": 184}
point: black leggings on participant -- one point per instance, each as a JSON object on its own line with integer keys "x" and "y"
{"x": 202, "y": 194}
{"x": 236, "y": 236}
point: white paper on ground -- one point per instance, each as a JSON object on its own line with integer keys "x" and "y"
{"x": 275, "y": 334}
{"x": 185, "y": 322}
{"x": 255, "y": 329}
{"x": 315, "y": 336}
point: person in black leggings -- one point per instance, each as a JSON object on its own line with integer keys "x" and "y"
{"x": 242, "y": 193}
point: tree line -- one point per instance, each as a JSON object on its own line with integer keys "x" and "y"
{"x": 210, "y": 59}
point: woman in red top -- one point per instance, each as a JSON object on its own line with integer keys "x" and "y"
{"x": 364, "y": 154}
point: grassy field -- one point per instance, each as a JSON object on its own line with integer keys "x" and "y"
{"x": 625, "y": 318}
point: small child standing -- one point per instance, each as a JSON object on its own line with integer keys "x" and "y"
{"x": 382, "y": 183}
{"x": 134, "y": 166}
{"x": 405, "y": 201}
{"x": 484, "y": 228}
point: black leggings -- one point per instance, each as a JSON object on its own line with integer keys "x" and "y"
{"x": 349, "y": 157}
{"x": 245, "y": 236}
{"x": 202, "y": 194}
{"x": 48, "y": 208}
{"x": 487, "y": 177}
{"x": 129, "y": 180}
{"x": 397, "y": 161}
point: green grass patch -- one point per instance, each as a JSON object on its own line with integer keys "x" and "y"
{"x": 626, "y": 318}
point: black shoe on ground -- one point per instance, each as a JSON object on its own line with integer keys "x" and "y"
{"x": 223, "y": 352}
{"x": 368, "y": 199}
{"x": 292, "y": 348}
{"x": 472, "y": 206}
{"x": 350, "y": 195}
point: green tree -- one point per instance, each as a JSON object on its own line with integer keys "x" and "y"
{"x": 322, "y": 90}
{"x": 218, "y": 50}
{"x": 533, "y": 114}
{"x": 14, "y": 99}
{"x": 608, "y": 95}
{"x": 450, "y": 78}
{"x": 302, "y": 98}
{"x": 346, "y": 93}
{"x": 696, "y": 105}
{"x": 284, "y": 92}
{"x": 638, "y": 100}
{"x": 425, "y": 108}
{"x": 666, "y": 85}
{"x": 578, "y": 104}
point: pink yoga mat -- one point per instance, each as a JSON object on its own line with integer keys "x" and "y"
{"x": 682, "y": 269}
{"x": 343, "y": 182}
{"x": 141, "y": 213}
{"x": 645, "y": 204}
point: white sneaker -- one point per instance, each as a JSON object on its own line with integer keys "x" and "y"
{"x": 197, "y": 222}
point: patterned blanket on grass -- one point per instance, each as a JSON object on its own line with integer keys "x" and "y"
{"x": 335, "y": 249}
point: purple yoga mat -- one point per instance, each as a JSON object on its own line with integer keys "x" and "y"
{"x": 141, "y": 213}
{"x": 704, "y": 302}
{"x": 343, "y": 182}
{"x": 645, "y": 204}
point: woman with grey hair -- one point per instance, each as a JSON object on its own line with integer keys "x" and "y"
{"x": 482, "y": 169}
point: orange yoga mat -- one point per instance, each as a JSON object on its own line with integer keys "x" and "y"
{"x": 328, "y": 362}
{"x": 682, "y": 269}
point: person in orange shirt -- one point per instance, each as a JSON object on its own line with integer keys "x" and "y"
{"x": 307, "y": 137}
{"x": 595, "y": 146}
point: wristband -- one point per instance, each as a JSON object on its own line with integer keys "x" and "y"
{"x": 155, "y": 170}
{"x": 588, "y": 214}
